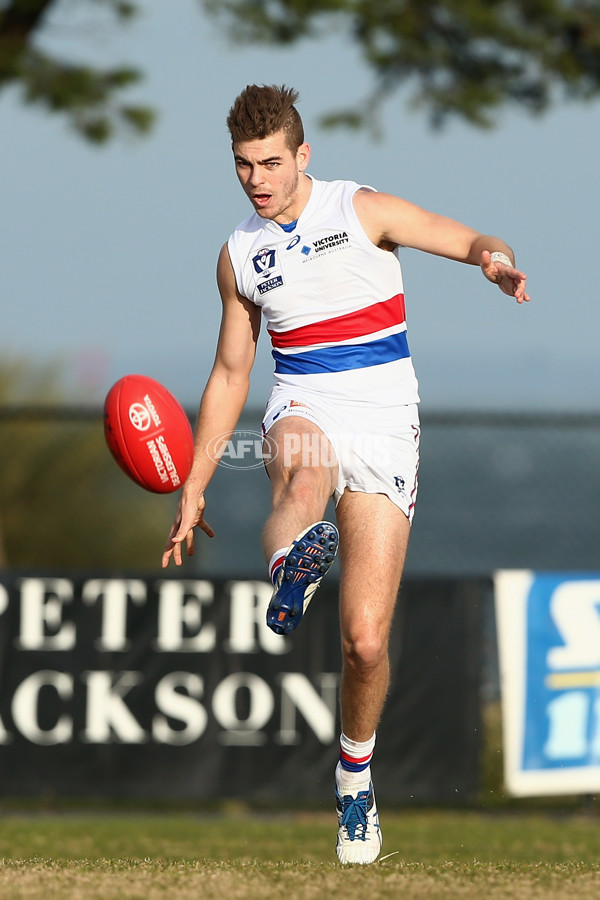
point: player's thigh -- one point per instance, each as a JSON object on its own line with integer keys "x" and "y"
{"x": 374, "y": 535}
{"x": 296, "y": 444}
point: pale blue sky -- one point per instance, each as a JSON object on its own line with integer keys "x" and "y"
{"x": 108, "y": 255}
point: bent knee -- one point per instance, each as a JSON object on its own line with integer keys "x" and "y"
{"x": 365, "y": 651}
{"x": 303, "y": 483}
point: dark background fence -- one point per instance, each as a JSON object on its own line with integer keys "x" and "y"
{"x": 496, "y": 491}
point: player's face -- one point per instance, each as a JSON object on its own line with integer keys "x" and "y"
{"x": 272, "y": 176}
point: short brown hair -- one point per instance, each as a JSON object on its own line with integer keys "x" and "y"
{"x": 259, "y": 112}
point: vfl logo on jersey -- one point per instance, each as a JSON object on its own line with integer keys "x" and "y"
{"x": 265, "y": 265}
{"x": 264, "y": 261}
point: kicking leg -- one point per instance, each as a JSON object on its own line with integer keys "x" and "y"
{"x": 298, "y": 545}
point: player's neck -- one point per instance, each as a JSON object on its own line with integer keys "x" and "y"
{"x": 299, "y": 202}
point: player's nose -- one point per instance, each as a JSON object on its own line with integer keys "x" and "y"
{"x": 256, "y": 176}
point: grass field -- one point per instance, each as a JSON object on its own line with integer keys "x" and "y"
{"x": 435, "y": 855}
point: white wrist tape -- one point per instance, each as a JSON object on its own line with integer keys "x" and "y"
{"x": 498, "y": 256}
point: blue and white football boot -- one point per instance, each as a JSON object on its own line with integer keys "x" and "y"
{"x": 305, "y": 563}
{"x": 359, "y": 835}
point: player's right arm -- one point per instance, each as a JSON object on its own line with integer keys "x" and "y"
{"x": 222, "y": 403}
{"x": 397, "y": 221}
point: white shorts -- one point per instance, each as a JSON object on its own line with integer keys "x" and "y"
{"x": 376, "y": 450}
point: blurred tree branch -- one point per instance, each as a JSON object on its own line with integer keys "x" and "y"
{"x": 461, "y": 58}
{"x": 84, "y": 93}
{"x": 458, "y": 58}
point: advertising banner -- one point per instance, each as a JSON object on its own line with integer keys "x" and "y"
{"x": 549, "y": 647}
{"x": 175, "y": 688}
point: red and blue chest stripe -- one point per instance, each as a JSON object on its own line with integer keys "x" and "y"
{"x": 341, "y": 357}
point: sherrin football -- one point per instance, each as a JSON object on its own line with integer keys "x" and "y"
{"x": 148, "y": 433}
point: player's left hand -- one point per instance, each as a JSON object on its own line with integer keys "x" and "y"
{"x": 510, "y": 280}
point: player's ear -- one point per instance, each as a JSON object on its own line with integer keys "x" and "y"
{"x": 303, "y": 157}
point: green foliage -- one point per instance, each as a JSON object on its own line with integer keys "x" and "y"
{"x": 64, "y": 503}
{"x": 86, "y": 95}
{"x": 462, "y": 58}
{"x": 459, "y": 58}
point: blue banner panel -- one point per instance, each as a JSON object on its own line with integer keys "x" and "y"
{"x": 549, "y": 642}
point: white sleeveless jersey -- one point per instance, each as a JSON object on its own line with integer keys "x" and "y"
{"x": 333, "y": 301}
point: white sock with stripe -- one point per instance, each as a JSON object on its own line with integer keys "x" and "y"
{"x": 275, "y": 563}
{"x": 354, "y": 767}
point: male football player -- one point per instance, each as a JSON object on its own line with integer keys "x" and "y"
{"x": 318, "y": 260}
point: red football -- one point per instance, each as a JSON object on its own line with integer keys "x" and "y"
{"x": 148, "y": 433}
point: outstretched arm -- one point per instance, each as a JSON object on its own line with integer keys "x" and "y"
{"x": 388, "y": 218}
{"x": 222, "y": 403}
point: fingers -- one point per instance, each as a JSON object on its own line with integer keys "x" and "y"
{"x": 515, "y": 287}
{"x": 486, "y": 259}
{"x": 521, "y": 295}
{"x": 177, "y": 553}
{"x": 493, "y": 271}
{"x": 206, "y": 528}
{"x": 517, "y": 283}
{"x": 511, "y": 281}
{"x": 173, "y": 549}
{"x": 166, "y": 557}
{"x": 189, "y": 543}
{"x": 176, "y": 539}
